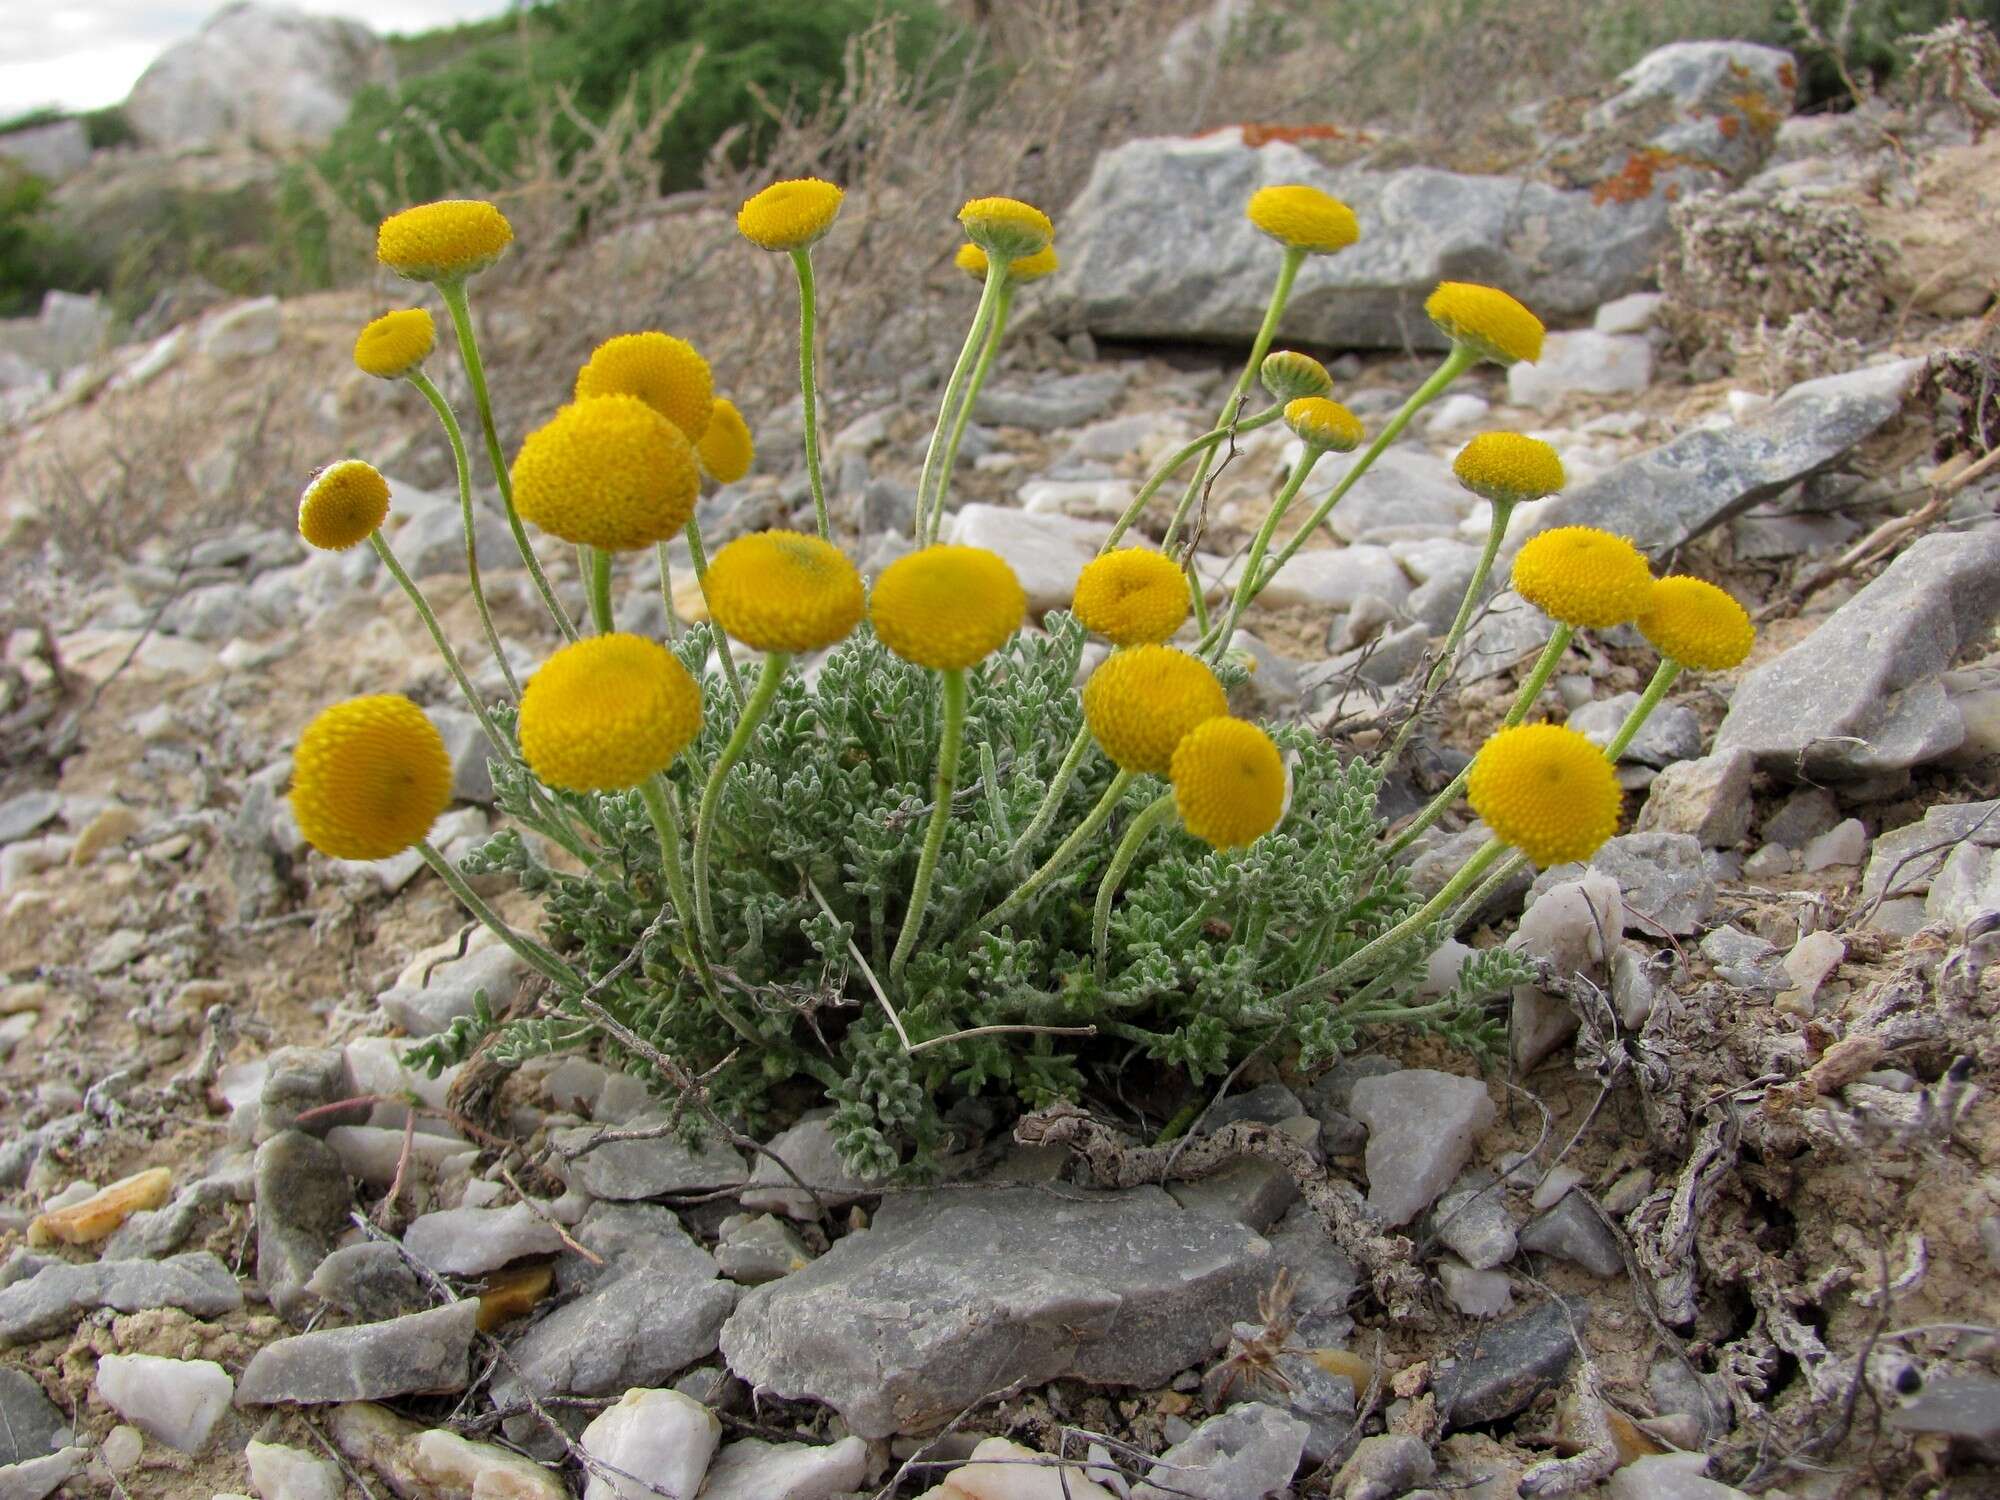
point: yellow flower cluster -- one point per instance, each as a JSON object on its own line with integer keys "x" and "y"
{"x": 609, "y": 472}
{"x": 1696, "y": 624}
{"x": 395, "y": 343}
{"x": 1320, "y": 423}
{"x": 1134, "y": 597}
{"x": 784, "y": 591}
{"x": 1303, "y": 218}
{"x": 369, "y": 778}
{"x": 606, "y": 712}
{"x": 725, "y": 450}
{"x": 1288, "y": 375}
{"x": 1547, "y": 791}
{"x": 1140, "y": 703}
{"x": 664, "y": 372}
{"x": 1487, "y": 321}
{"x": 972, "y": 260}
{"x": 445, "y": 241}
{"x": 1006, "y": 227}
{"x": 343, "y": 505}
{"x": 947, "y": 607}
{"x": 1583, "y": 577}
{"x": 1229, "y": 782}
{"x": 789, "y": 215}
{"x": 1508, "y": 467}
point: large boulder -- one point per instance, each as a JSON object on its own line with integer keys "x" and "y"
{"x": 52, "y": 152}
{"x": 1156, "y": 246}
{"x": 268, "y": 75}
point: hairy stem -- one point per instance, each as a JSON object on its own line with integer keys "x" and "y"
{"x": 531, "y": 952}
{"x": 598, "y": 574}
{"x": 449, "y": 420}
{"x": 809, "y": 386}
{"x": 1157, "y": 811}
{"x": 1066, "y": 851}
{"x": 1172, "y": 466}
{"x": 711, "y": 795}
{"x": 494, "y": 737}
{"x": 930, "y": 510}
{"x": 722, "y": 649}
{"x": 946, "y": 787}
{"x": 453, "y": 293}
{"x": 1272, "y": 517}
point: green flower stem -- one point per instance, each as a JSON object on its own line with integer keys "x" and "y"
{"x": 1663, "y": 678}
{"x": 597, "y": 575}
{"x": 1173, "y": 464}
{"x": 1272, "y": 517}
{"x": 747, "y": 721}
{"x": 1455, "y": 364}
{"x": 1501, "y": 874}
{"x": 700, "y": 557}
{"x": 809, "y": 386}
{"x": 494, "y": 737}
{"x": 1052, "y": 798}
{"x": 449, "y": 421}
{"x": 1412, "y": 925}
{"x": 930, "y": 516}
{"x": 1281, "y": 293}
{"x": 667, "y": 591}
{"x": 1066, "y": 851}
{"x": 1157, "y": 811}
{"x": 531, "y": 952}
{"x": 1545, "y": 666}
{"x": 1496, "y": 532}
{"x": 974, "y": 386}
{"x": 667, "y": 826}
{"x": 453, "y": 293}
{"x": 946, "y": 786}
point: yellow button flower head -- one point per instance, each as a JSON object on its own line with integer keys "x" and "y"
{"x": 1320, "y": 423}
{"x": 610, "y": 472}
{"x": 664, "y": 372}
{"x": 446, "y": 241}
{"x": 343, "y": 505}
{"x": 1289, "y": 375}
{"x": 369, "y": 778}
{"x": 1487, "y": 321}
{"x": 1507, "y": 468}
{"x": 725, "y": 450}
{"x": 784, "y": 591}
{"x": 1229, "y": 782}
{"x": 790, "y": 215}
{"x": 606, "y": 712}
{"x": 947, "y": 607}
{"x": 1140, "y": 703}
{"x": 1134, "y": 597}
{"x": 395, "y": 343}
{"x": 1303, "y": 218}
{"x": 1583, "y": 577}
{"x": 972, "y": 260}
{"x": 1696, "y": 624}
{"x": 1006, "y": 227}
{"x": 1547, "y": 791}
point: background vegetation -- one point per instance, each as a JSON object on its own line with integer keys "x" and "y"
{"x": 579, "y": 108}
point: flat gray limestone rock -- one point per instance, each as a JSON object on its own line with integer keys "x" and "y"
{"x": 1863, "y": 693}
{"x": 626, "y": 1170}
{"x": 426, "y": 1351}
{"x": 951, "y": 1295}
{"x": 53, "y": 1295}
{"x": 1156, "y": 246}
{"x": 1246, "y": 1453}
{"x": 1421, "y": 1125}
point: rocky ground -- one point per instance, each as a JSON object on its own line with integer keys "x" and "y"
{"x": 1733, "y": 1199}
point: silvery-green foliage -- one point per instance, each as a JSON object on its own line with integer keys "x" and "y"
{"x": 1210, "y": 954}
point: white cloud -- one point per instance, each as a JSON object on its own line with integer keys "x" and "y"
{"x": 87, "y": 53}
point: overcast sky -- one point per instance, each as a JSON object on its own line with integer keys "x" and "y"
{"x": 84, "y": 53}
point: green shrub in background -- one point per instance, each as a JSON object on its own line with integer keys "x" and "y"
{"x": 36, "y": 255}
{"x": 493, "y": 86}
